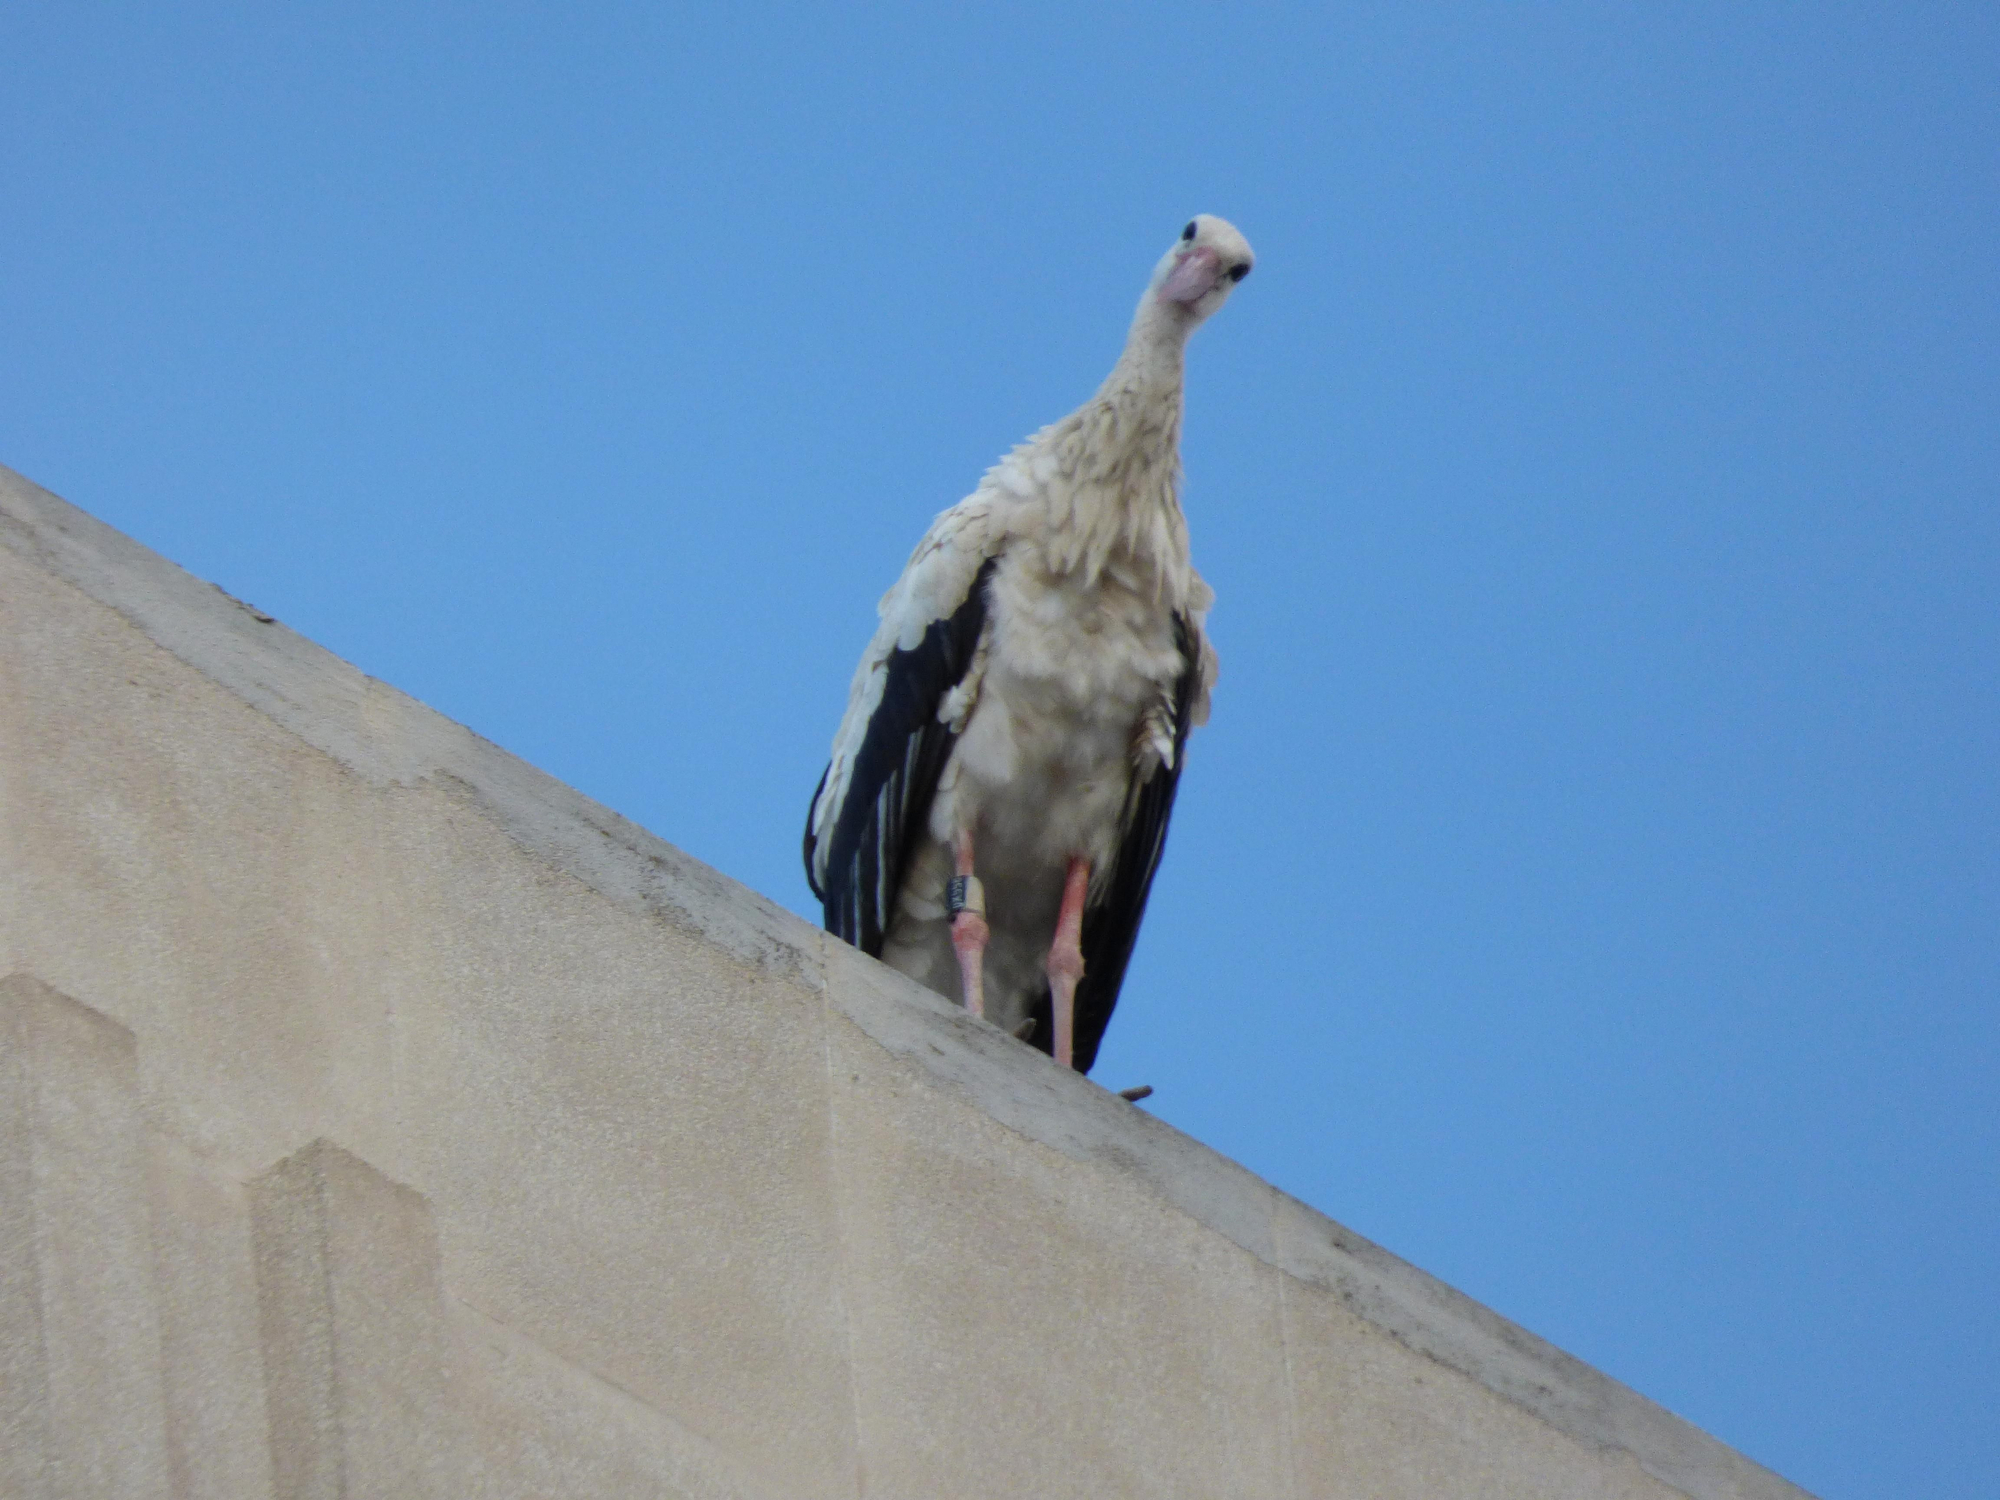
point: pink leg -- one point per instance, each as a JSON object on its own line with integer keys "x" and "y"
{"x": 969, "y": 931}
{"x": 1066, "y": 959}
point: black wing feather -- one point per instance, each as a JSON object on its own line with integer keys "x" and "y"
{"x": 895, "y": 776}
{"x": 1111, "y": 927}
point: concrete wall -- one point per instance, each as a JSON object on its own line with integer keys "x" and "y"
{"x": 380, "y": 1117}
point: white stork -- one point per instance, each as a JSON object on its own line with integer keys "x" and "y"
{"x": 999, "y": 790}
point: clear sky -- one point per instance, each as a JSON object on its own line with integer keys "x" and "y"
{"x": 1587, "y": 887}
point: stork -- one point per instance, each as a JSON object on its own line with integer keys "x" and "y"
{"x": 999, "y": 788}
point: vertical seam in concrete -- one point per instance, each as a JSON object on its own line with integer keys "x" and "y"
{"x": 839, "y": 1191}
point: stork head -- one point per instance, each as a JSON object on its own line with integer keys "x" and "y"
{"x": 1203, "y": 267}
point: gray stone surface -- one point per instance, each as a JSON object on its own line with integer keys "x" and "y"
{"x": 83, "y": 1407}
{"x": 198, "y": 874}
{"x": 720, "y": 1207}
{"x": 1372, "y": 1423}
{"x": 218, "y": 1439}
{"x": 351, "y": 1318}
{"x": 626, "y": 1142}
{"x": 543, "y": 1427}
{"x": 1031, "y": 1324}
{"x": 25, "y": 1439}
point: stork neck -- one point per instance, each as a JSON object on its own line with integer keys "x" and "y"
{"x": 1155, "y": 357}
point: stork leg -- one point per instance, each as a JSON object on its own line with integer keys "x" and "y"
{"x": 1065, "y": 963}
{"x": 969, "y": 931}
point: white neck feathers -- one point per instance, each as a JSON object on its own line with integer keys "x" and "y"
{"x": 1102, "y": 486}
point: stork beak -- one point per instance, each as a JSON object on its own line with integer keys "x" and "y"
{"x": 1193, "y": 277}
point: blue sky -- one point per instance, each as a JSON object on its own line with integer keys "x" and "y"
{"x": 1587, "y": 886}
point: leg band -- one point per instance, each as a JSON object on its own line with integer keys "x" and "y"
{"x": 964, "y": 893}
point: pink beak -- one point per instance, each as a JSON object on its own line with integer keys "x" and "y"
{"x": 1193, "y": 278}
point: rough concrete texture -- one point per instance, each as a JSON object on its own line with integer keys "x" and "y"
{"x": 628, "y": 1182}
{"x": 86, "y": 1413}
{"x": 217, "y": 1417}
{"x": 351, "y": 1313}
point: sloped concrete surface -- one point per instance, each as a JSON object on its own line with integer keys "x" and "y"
{"x": 384, "y": 1117}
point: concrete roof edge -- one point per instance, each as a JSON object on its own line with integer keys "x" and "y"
{"x": 389, "y": 738}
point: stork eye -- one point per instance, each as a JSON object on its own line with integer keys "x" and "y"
{"x": 1188, "y": 233}
{"x": 1237, "y": 273}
